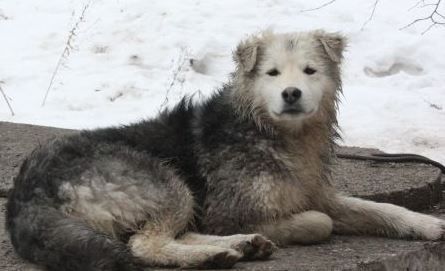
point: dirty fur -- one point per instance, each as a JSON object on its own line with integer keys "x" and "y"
{"x": 205, "y": 185}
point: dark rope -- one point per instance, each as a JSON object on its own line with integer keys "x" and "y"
{"x": 393, "y": 157}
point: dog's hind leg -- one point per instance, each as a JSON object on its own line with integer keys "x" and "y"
{"x": 131, "y": 193}
{"x": 155, "y": 243}
{"x": 357, "y": 216}
{"x": 251, "y": 246}
{"x": 308, "y": 227}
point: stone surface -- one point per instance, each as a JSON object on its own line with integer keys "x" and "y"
{"x": 412, "y": 185}
{"x": 415, "y": 186}
{"x": 16, "y": 141}
{"x": 340, "y": 253}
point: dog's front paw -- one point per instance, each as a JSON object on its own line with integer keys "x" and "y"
{"x": 433, "y": 229}
{"x": 257, "y": 248}
{"x": 442, "y": 236}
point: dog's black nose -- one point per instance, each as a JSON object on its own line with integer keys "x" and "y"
{"x": 291, "y": 95}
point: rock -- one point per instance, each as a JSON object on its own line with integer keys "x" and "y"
{"x": 412, "y": 185}
{"x": 415, "y": 186}
{"x": 16, "y": 141}
{"x": 340, "y": 253}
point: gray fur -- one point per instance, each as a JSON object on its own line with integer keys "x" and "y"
{"x": 333, "y": 44}
{"x": 165, "y": 191}
{"x": 246, "y": 55}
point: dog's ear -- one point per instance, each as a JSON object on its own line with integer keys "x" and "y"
{"x": 246, "y": 54}
{"x": 333, "y": 44}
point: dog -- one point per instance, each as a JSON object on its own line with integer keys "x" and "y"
{"x": 204, "y": 185}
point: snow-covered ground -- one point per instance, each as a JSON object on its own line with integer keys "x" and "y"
{"x": 128, "y": 59}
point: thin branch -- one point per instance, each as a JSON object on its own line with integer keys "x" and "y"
{"x": 440, "y": 15}
{"x": 6, "y": 100}
{"x": 417, "y": 4}
{"x": 431, "y": 17}
{"x": 67, "y": 50}
{"x": 372, "y": 14}
{"x": 332, "y": 1}
{"x": 319, "y": 7}
{"x": 180, "y": 65}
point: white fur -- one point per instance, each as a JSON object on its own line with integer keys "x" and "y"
{"x": 303, "y": 228}
{"x": 363, "y": 216}
{"x": 251, "y": 246}
{"x": 165, "y": 251}
{"x": 291, "y": 62}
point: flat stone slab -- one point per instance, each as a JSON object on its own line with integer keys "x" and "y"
{"x": 415, "y": 186}
{"x": 340, "y": 253}
{"x": 16, "y": 141}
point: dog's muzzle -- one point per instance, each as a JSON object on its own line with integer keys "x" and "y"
{"x": 291, "y": 95}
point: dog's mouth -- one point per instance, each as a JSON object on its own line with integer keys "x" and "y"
{"x": 294, "y": 110}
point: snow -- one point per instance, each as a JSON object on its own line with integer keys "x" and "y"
{"x": 128, "y": 59}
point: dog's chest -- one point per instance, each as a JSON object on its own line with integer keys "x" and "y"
{"x": 258, "y": 181}
{"x": 291, "y": 187}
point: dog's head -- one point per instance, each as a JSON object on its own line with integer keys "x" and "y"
{"x": 289, "y": 74}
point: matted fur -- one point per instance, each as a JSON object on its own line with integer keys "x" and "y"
{"x": 205, "y": 185}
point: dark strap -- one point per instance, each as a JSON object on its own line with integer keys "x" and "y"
{"x": 393, "y": 157}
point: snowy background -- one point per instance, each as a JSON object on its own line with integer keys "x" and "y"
{"x": 117, "y": 61}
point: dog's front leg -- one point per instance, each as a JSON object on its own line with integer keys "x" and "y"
{"x": 357, "y": 216}
{"x": 308, "y": 227}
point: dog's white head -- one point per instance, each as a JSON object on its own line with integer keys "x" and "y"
{"x": 288, "y": 75}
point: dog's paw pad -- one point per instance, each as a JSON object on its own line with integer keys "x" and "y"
{"x": 257, "y": 248}
{"x": 222, "y": 260}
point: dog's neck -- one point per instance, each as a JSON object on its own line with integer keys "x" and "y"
{"x": 315, "y": 134}
{"x": 313, "y": 139}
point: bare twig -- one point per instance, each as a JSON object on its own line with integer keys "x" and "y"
{"x": 7, "y": 101}
{"x": 325, "y": 4}
{"x": 372, "y": 14}
{"x": 319, "y": 7}
{"x": 417, "y": 4}
{"x": 435, "y": 17}
{"x": 67, "y": 50}
{"x": 180, "y": 63}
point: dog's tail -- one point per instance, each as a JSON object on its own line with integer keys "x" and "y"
{"x": 44, "y": 235}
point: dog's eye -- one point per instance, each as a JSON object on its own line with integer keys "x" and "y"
{"x": 273, "y": 72}
{"x": 309, "y": 70}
